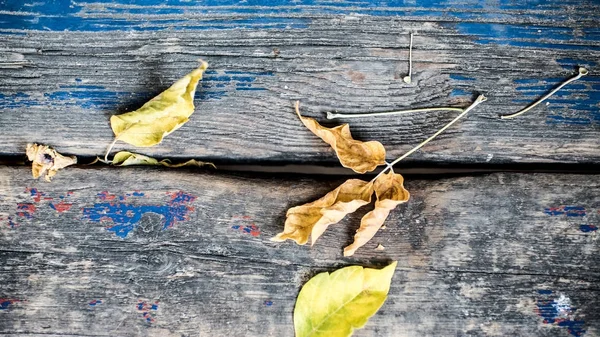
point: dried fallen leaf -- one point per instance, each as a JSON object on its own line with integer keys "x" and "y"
{"x": 165, "y": 113}
{"x": 359, "y": 156}
{"x": 390, "y": 192}
{"x": 47, "y": 160}
{"x": 335, "y": 304}
{"x": 126, "y": 158}
{"x": 314, "y": 218}
{"x": 380, "y": 247}
{"x": 191, "y": 162}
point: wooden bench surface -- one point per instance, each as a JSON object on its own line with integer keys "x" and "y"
{"x": 66, "y": 70}
{"x": 485, "y": 256}
{"x": 105, "y": 251}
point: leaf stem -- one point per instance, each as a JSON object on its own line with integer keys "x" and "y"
{"x": 332, "y": 115}
{"x": 109, "y": 149}
{"x": 407, "y": 79}
{"x": 582, "y": 72}
{"x": 480, "y": 99}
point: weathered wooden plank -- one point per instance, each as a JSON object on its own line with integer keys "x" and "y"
{"x": 66, "y": 70}
{"x": 92, "y": 252}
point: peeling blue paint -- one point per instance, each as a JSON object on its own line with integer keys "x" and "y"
{"x": 110, "y": 15}
{"x": 214, "y": 86}
{"x": 559, "y": 312}
{"x": 576, "y": 104}
{"x": 530, "y": 36}
{"x": 460, "y": 92}
{"x": 458, "y": 77}
{"x": 572, "y": 64}
{"x": 570, "y": 211}
{"x": 588, "y": 228}
{"x": 126, "y": 217}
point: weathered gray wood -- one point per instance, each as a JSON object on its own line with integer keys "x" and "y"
{"x": 477, "y": 256}
{"x": 344, "y": 56}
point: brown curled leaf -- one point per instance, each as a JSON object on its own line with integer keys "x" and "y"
{"x": 390, "y": 192}
{"x": 314, "y": 218}
{"x": 46, "y": 160}
{"x": 126, "y": 158}
{"x": 359, "y": 156}
{"x": 165, "y": 113}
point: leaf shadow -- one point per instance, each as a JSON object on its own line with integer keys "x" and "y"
{"x": 152, "y": 84}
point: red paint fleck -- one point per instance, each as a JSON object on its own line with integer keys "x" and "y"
{"x": 25, "y": 210}
{"x": 105, "y": 196}
{"x": 35, "y": 194}
{"x": 61, "y": 206}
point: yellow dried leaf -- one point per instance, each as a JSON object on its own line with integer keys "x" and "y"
{"x": 314, "y": 218}
{"x": 191, "y": 162}
{"x": 47, "y": 160}
{"x": 165, "y": 113}
{"x": 359, "y": 156}
{"x": 126, "y": 158}
{"x": 333, "y": 305}
{"x": 390, "y": 192}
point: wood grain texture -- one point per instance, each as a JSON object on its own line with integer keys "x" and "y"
{"x": 492, "y": 255}
{"x": 66, "y": 68}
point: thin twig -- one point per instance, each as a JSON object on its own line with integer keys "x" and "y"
{"x": 582, "y": 72}
{"x": 479, "y": 99}
{"x": 333, "y": 115}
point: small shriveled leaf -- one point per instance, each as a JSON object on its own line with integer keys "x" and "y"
{"x": 126, "y": 158}
{"x": 333, "y": 305}
{"x": 191, "y": 162}
{"x": 47, "y": 160}
{"x": 390, "y": 192}
{"x": 314, "y": 218}
{"x": 165, "y": 113}
{"x": 359, "y": 156}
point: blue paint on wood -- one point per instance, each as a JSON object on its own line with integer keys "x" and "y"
{"x": 557, "y": 119}
{"x": 126, "y": 216}
{"x": 527, "y": 36}
{"x": 571, "y": 63}
{"x": 575, "y": 327}
{"x": 110, "y": 15}
{"x": 16, "y": 100}
{"x": 460, "y": 92}
{"x": 458, "y": 77}
{"x": 214, "y": 86}
{"x": 559, "y": 312}
{"x": 569, "y": 211}
{"x": 575, "y": 104}
{"x": 588, "y": 228}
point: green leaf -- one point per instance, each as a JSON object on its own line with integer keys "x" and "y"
{"x": 165, "y": 113}
{"x": 126, "y": 158}
{"x": 335, "y": 304}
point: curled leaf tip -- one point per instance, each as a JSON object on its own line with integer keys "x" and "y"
{"x": 390, "y": 192}
{"x": 312, "y": 219}
{"x": 359, "y": 156}
{"x": 126, "y": 158}
{"x": 46, "y": 160}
